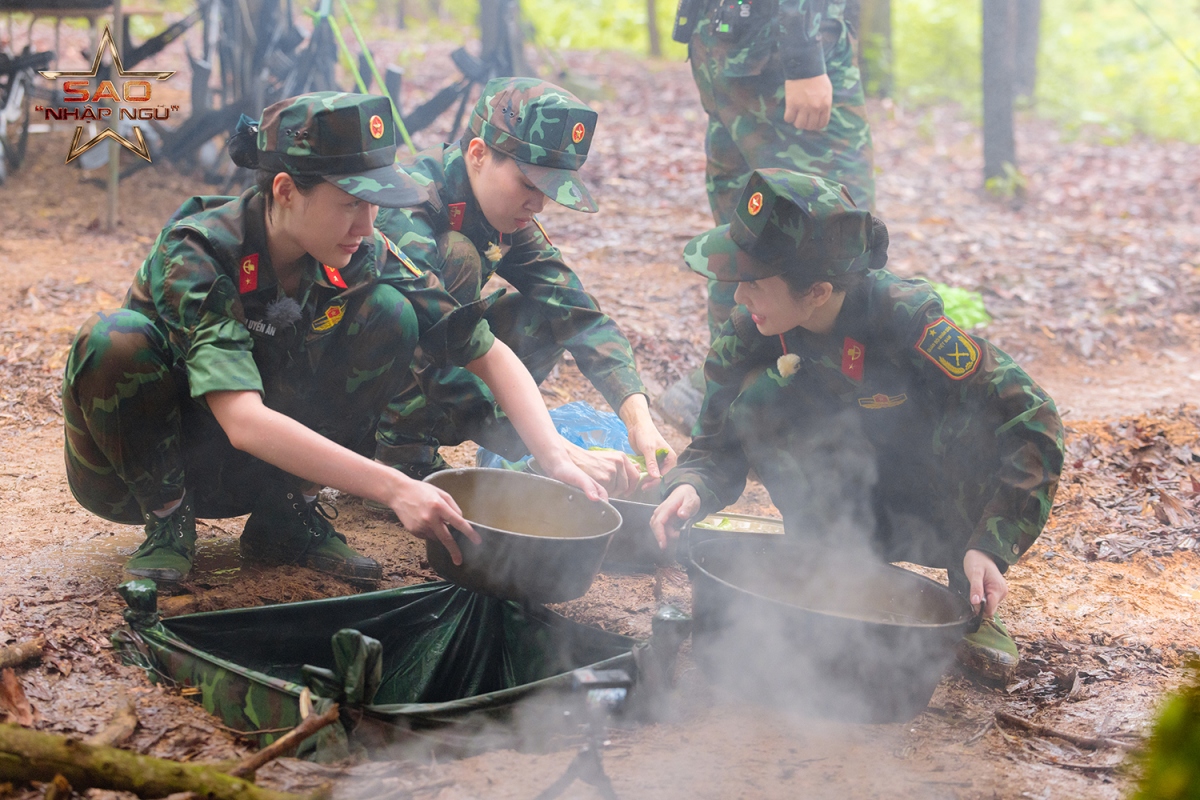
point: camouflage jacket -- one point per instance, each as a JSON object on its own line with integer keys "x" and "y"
{"x": 793, "y": 28}
{"x": 209, "y": 285}
{"x": 532, "y": 264}
{"x": 949, "y": 415}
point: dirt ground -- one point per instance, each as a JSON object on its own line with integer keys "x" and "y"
{"x": 1094, "y": 284}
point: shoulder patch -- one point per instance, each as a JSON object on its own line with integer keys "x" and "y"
{"x": 543, "y": 230}
{"x": 403, "y": 259}
{"x": 949, "y": 348}
{"x": 248, "y": 274}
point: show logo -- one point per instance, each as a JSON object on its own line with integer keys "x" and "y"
{"x": 83, "y": 96}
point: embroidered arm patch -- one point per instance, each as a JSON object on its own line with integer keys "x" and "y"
{"x": 949, "y": 348}
{"x": 403, "y": 259}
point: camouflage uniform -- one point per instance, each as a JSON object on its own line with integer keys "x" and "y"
{"x": 954, "y": 433}
{"x": 741, "y": 82}
{"x": 548, "y": 132}
{"x": 205, "y": 313}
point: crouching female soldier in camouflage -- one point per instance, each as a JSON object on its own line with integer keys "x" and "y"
{"x": 257, "y": 346}
{"x": 861, "y": 406}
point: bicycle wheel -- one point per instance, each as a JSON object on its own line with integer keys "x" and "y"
{"x": 17, "y": 113}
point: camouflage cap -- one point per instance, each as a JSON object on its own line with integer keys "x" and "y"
{"x": 347, "y": 139}
{"x": 547, "y": 130}
{"x": 785, "y": 222}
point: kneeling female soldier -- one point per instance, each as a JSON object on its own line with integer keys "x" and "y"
{"x": 862, "y": 408}
{"x": 257, "y": 346}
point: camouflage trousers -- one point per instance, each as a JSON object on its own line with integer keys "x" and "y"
{"x": 135, "y": 438}
{"x": 449, "y": 405}
{"x": 747, "y": 131}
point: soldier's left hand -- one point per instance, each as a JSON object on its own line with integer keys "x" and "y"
{"x": 988, "y": 586}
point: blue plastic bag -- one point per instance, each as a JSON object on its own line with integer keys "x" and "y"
{"x": 579, "y": 423}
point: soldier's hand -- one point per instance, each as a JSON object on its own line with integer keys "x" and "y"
{"x": 988, "y": 586}
{"x": 649, "y": 443}
{"x": 612, "y": 470}
{"x": 808, "y": 102}
{"x": 428, "y": 512}
{"x": 673, "y": 513}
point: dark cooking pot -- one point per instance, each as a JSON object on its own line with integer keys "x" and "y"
{"x": 634, "y": 548}
{"x": 793, "y": 625}
{"x": 543, "y": 541}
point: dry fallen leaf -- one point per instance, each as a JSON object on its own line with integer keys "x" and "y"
{"x": 13, "y": 701}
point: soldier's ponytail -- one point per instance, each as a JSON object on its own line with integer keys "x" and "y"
{"x": 243, "y": 145}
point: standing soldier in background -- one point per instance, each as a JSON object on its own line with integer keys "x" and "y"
{"x": 782, "y": 89}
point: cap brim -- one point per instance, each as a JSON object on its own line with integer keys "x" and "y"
{"x": 717, "y": 257}
{"x": 388, "y": 186}
{"x": 563, "y": 186}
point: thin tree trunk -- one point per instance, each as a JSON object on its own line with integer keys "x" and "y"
{"x": 1029, "y": 19}
{"x": 652, "y": 28}
{"x": 875, "y": 46}
{"x": 999, "y": 141}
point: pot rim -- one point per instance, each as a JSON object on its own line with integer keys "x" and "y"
{"x": 775, "y": 602}
{"x": 479, "y": 525}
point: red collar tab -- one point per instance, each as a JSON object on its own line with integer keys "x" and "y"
{"x": 248, "y": 274}
{"x": 457, "y": 212}
{"x": 854, "y": 355}
{"x": 334, "y": 276}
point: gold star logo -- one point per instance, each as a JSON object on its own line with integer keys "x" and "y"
{"x": 140, "y": 149}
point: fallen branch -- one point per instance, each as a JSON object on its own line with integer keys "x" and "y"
{"x": 1090, "y": 742}
{"x": 123, "y": 725}
{"x": 285, "y": 743}
{"x": 16, "y": 654}
{"x": 35, "y": 756}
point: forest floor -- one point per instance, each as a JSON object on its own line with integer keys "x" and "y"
{"x": 1094, "y": 285}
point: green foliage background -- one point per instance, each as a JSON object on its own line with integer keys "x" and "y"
{"x": 1100, "y": 62}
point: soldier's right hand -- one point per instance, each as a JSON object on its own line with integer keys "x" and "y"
{"x": 808, "y": 102}
{"x": 428, "y": 512}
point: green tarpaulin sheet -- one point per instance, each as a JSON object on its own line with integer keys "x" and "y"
{"x": 430, "y": 666}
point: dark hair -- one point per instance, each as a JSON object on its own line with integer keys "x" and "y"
{"x": 243, "y": 149}
{"x": 875, "y": 258}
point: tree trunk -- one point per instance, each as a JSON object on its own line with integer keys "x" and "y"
{"x": 501, "y": 37}
{"x": 34, "y": 756}
{"x": 1029, "y": 19}
{"x": 999, "y": 141}
{"x": 875, "y": 46}
{"x": 652, "y": 28}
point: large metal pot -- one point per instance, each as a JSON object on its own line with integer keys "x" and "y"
{"x": 634, "y": 548}
{"x": 842, "y": 637}
{"x": 543, "y": 541}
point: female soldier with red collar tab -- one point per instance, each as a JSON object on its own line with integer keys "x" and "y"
{"x": 526, "y": 140}
{"x": 257, "y": 346}
{"x": 863, "y": 409}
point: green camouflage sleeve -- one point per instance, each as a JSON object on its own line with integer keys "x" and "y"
{"x": 715, "y": 462}
{"x": 198, "y": 304}
{"x": 799, "y": 38}
{"x": 988, "y": 395}
{"x": 535, "y": 267}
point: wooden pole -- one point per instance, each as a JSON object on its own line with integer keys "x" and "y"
{"x": 999, "y": 140}
{"x": 114, "y": 147}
